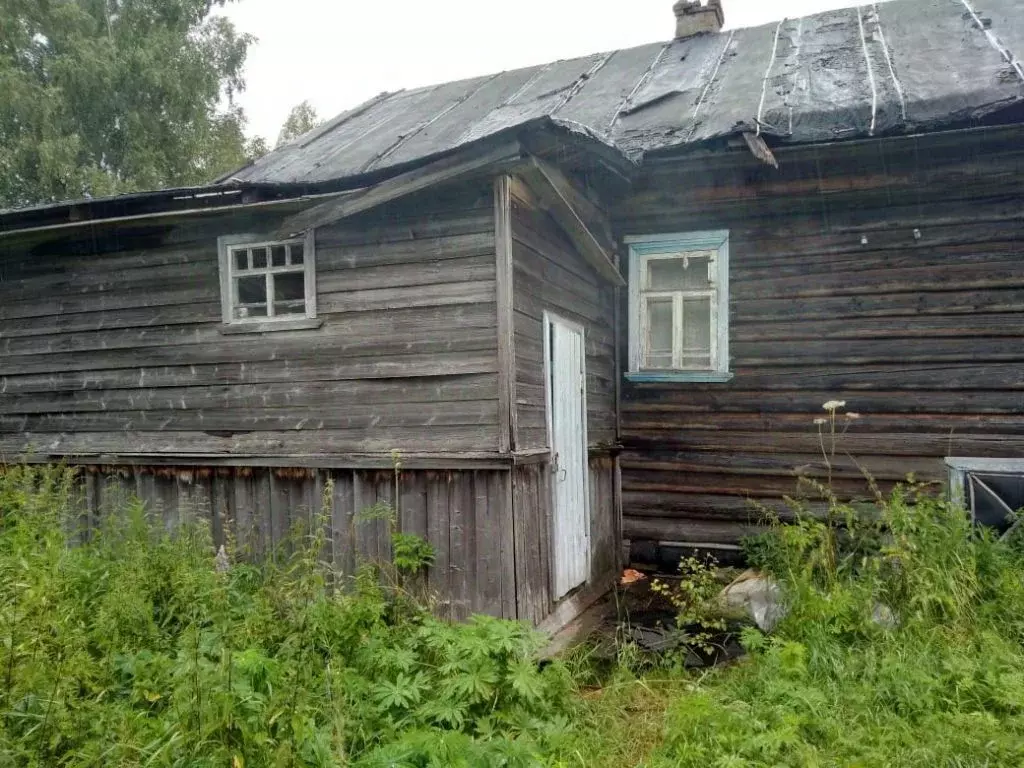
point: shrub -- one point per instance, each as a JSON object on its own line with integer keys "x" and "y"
{"x": 903, "y": 646}
{"x": 134, "y": 648}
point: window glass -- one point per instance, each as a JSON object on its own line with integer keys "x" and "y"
{"x": 688, "y": 272}
{"x": 252, "y": 296}
{"x": 678, "y": 306}
{"x": 289, "y": 293}
{"x": 659, "y": 333}
{"x": 697, "y": 333}
{"x": 267, "y": 279}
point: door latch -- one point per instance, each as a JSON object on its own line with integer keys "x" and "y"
{"x": 560, "y": 474}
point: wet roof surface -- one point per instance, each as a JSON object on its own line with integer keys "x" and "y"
{"x": 900, "y": 66}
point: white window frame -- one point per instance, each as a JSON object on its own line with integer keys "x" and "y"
{"x": 643, "y": 249}
{"x": 228, "y": 273}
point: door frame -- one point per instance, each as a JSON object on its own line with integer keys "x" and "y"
{"x": 548, "y": 320}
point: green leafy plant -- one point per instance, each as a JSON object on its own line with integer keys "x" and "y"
{"x": 142, "y": 646}
{"x": 411, "y": 554}
{"x": 693, "y": 597}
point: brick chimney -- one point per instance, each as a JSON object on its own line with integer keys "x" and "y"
{"x": 692, "y": 18}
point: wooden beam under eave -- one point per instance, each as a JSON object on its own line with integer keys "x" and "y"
{"x": 571, "y": 209}
{"x": 456, "y": 167}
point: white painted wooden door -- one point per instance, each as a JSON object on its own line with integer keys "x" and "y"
{"x": 565, "y": 360}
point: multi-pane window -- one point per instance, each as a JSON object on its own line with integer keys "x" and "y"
{"x": 679, "y": 303}
{"x": 267, "y": 280}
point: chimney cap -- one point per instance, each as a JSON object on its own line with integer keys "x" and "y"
{"x": 693, "y": 18}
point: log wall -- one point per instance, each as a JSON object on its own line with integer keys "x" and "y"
{"x": 112, "y": 346}
{"x": 886, "y": 273}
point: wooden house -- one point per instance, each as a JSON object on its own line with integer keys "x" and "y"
{"x": 593, "y": 302}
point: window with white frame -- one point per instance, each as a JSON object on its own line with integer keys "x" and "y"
{"x": 267, "y": 280}
{"x": 679, "y": 306}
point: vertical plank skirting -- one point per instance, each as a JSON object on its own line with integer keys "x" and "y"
{"x": 490, "y": 528}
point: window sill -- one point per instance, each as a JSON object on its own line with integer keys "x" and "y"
{"x": 696, "y": 377}
{"x": 272, "y": 326}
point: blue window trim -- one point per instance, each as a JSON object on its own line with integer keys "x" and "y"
{"x": 644, "y": 245}
{"x": 645, "y": 377}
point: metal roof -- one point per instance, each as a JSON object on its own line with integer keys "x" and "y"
{"x": 893, "y": 67}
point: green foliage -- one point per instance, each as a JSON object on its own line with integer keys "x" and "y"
{"x": 301, "y": 119}
{"x": 902, "y": 647}
{"x": 411, "y": 553}
{"x": 110, "y": 96}
{"x": 134, "y": 649}
{"x": 693, "y": 597}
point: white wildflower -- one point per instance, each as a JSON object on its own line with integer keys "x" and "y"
{"x": 852, "y": 416}
{"x": 834, "y": 405}
{"x": 821, "y": 420}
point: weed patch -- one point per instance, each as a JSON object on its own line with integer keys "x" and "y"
{"x": 140, "y": 647}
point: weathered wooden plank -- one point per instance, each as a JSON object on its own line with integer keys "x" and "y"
{"x": 570, "y": 208}
{"x": 222, "y": 514}
{"x": 486, "y": 587}
{"x": 442, "y": 439}
{"x": 376, "y": 332}
{"x": 349, "y": 417}
{"x": 461, "y": 549}
{"x": 524, "y": 527}
{"x": 456, "y": 167}
{"x": 674, "y": 401}
{"x": 989, "y": 326}
{"x": 883, "y": 305}
{"x": 296, "y": 394}
{"x": 504, "y": 284}
{"x": 692, "y": 530}
{"x": 84, "y": 322}
{"x": 299, "y": 346}
{"x": 399, "y": 237}
{"x": 893, "y": 444}
{"x": 504, "y": 507}
{"x": 343, "y": 534}
{"x": 541, "y": 490}
{"x": 865, "y": 424}
{"x": 393, "y": 367}
{"x": 438, "y": 534}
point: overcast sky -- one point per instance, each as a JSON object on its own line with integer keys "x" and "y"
{"x": 338, "y": 53}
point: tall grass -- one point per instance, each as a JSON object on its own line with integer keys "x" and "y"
{"x": 138, "y": 648}
{"x": 903, "y": 646}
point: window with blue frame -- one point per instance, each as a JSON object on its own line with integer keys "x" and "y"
{"x": 679, "y": 307}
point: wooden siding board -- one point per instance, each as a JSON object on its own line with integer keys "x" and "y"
{"x": 856, "y": 276}
{"x": 460, "y": 546}
{"x": 343, "y": 547}
{"x": 91, "y": 333}
{"x": 438, "y": 535}
{"x": 464, "y": 514}
{"x": 548, "y": 274}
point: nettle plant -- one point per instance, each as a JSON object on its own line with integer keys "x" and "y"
{"x": 411, "y": 554}
{"x": 141, "y": 646}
